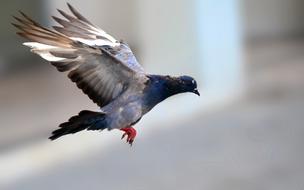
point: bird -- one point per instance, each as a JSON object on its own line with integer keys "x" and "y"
{"x": 105, "y": 69}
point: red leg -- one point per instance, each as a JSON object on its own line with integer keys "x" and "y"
{"x": 130, "y": 132}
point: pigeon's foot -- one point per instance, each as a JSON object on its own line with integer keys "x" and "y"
{"x": 130, "y": 132}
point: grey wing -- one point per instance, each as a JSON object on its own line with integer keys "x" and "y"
{"x": 79, "y": 28}
{"x": 100, "y": 75}
{"x": 124, "y": 53}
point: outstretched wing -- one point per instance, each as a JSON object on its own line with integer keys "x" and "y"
{"x": 86, "y": 53}
{"x": 78, "y": 28}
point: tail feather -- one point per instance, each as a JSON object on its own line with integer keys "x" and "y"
{"x": 84, "y": 120}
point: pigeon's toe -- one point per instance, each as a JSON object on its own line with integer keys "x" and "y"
{"x": 130, "y": 132}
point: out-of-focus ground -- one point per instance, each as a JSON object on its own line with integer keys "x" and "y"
{"x": 254, "y": 142}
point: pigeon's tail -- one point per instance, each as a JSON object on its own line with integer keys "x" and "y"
{"x": 84, "y": 120}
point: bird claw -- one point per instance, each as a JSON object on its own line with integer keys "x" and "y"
{"x": 123, "y": 136}
{"x": 131, "y": 133}
{"x": 131, "y": 142}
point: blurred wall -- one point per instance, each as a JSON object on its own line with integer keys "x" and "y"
{"x": 273, "y": 18}
{"x": 220, "y": 40}
{"x": 10, "y": 42}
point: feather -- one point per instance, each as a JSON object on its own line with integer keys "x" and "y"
{"x": 78, "y": 15}
{"x": 79, "y": 48}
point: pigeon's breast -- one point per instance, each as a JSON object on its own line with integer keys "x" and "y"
{"x": 153, "y": 95}
{"x": 124, "y": 115}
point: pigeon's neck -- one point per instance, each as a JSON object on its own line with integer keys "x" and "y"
{"x": 171, "y": 86}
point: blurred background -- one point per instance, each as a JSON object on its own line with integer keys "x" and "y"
{"x": 245, "y": 132}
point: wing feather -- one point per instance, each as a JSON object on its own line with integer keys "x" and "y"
{"x": 79, "y": 28}
{"x": 77, "y": 14}
{"x": 97, "y": 72}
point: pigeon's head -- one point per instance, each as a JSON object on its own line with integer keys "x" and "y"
{"x": 188, "y": 84}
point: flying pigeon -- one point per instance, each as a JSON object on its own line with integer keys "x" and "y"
{"x": 104, "y": 69}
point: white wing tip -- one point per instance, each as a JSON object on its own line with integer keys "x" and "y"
{"x": 43, "y": 51}
{"x": 98, "y": 42}
{"x": 39, "y": 46}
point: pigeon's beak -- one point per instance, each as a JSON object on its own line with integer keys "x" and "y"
{"x": 195, "y": 91}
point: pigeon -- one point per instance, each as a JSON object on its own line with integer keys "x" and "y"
{"x": 105, "y": 69}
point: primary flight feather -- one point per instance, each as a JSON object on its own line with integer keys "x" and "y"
{"x": 104, "y": 69}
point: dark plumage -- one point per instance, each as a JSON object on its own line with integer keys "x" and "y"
{"x": 84, "y": 120}
{"x": 104, "y": 69}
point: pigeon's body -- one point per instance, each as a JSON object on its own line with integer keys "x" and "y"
{"x": 130, "y": 107}
{"x": 104, "y": 69}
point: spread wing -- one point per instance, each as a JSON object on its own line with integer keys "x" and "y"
{"x": 78, "y": 28}
{"x": 101, "y": 66}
